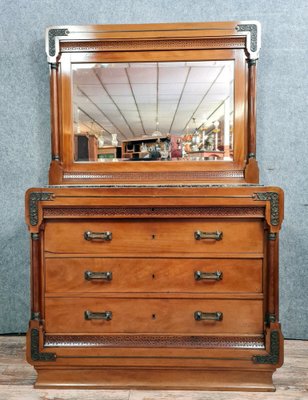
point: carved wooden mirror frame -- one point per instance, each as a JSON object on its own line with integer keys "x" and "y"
{"x": 238, "y": 41}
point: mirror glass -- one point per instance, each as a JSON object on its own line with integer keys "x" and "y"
{"x": 166, "y": 111}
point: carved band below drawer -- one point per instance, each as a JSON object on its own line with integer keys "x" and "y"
{"x": 142, "y": 316}
{"x": 232, "y": 342}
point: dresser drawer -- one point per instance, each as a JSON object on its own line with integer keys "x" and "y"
{"x": 105, "y": 275}
{"x": 74, "y": 315}
{"x": 156, "y": 236}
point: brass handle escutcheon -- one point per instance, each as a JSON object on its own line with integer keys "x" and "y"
{"x": 98, "y": 276}
{"x": 208, "y": 276}
{"x": 106, "y": 315}
{"x": 107, "y": 236}
{"x": 208, "y": 235}
{"x": 206, "y": 316}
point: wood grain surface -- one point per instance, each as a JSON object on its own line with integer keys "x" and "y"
{"x": 17, "y": 378}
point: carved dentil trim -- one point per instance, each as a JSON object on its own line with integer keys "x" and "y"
{"x": 273, "y": 198}
{"x": 252, "y": 30}
{"x": 34, "y": 198}
{"x": 273, "y": 356}
{"x": 147, "y": 176}
{"x": 36, "y": 355}
{"x": 155, "y": 211}
{"x": 154, "y": 341}
{"x": 145, "y": 44}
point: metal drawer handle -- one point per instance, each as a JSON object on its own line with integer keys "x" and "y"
{"x": 204, "y": 316}
{"x": 98, "y": 235}
{"x": 106, "y": 315}
{"x": 208, "y": 276}
{"x": 104, "y": 276}
{"x": 208, "y": 235}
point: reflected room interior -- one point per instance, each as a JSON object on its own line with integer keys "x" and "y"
{"x": 167, "y": 111}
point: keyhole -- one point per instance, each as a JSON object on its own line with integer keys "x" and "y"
{"x": 153, "y": 276}
{"x": 153, "y": 316}
{"x": 153, "y": 237}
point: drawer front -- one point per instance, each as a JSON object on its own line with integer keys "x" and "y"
{"x": 71, "y": 315}
{"x": 105, "y": 275}
{"x": 155, "y": 237}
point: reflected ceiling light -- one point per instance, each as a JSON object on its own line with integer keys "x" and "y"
{"x": 157, "y": 132}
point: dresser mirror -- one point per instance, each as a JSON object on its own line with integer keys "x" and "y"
{"x": 153, "y": 103}
{"x": 169, "y": 111}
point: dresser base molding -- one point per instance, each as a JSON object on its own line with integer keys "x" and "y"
{"x": 172, "y": 379}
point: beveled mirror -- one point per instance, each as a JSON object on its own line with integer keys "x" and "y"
{"x": 152, "y": 103}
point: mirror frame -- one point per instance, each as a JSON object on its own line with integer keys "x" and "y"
{"x": 238, "y": 41}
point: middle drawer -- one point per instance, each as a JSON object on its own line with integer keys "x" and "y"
{"x": 123, "y": 275}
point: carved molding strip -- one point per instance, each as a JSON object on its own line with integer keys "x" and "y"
{"x": 34, "y": 198}
{"x": 156, "y": 211}
{"x": 148, "y": 176}
{"x": 154, "y": 341}
{"x": 273, "y": 198}
{"x": 36, "y": 355}
{"x": 273, "y": 356}
{"x": 253, "y": 33}
{"x": 145, "y": 44}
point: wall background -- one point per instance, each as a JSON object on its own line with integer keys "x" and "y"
{"x": 25, "y": 125}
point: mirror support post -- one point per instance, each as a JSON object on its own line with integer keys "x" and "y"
{"x": 54, "y": 112}
{"x": 252, "y": 109}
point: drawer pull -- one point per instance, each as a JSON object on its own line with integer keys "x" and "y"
{"x": 98, "y": 235}
{"x": 106, "y": 315}
{"x": 208, "y": 235}
{"x": 208, "y": 276}
{"x": 100, "y": 276}
{"x": 205, "y": 316}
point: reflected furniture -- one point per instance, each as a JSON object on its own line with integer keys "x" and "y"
{"x": 159, "y": 274}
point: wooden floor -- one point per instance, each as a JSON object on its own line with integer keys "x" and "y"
{"x": 17, "y": 377}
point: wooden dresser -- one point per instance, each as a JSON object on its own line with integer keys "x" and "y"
{"x": 169, "y": 287}
{"x": 158, "y": 270}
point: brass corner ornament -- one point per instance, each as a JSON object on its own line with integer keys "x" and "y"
{"x": 36, "y": 355}
{"x": 273, "y": 356}
{"x": 273, "y": 198}
{"x": 52, "y": 42}
{"x": 34, "y": 198}
{"x": 252, "y": 29}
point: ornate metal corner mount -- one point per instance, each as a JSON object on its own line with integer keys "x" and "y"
{"x": 252, "y": 29}
{"x": 52, "y": 42}
{"x": 270, "y": 318}
{"x": 273, "y": 356}
{"x": 34, "y": 198}
{"x": 273, "y": 198}
{"x": 35, "y": 350}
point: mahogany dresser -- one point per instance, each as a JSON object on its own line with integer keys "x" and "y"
{"x": 155, "y": 272}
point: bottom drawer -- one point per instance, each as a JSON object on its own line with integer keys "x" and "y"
{"x": 189, "y": 316}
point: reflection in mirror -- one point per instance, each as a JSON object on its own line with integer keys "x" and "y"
{"x": 153, "y": 111}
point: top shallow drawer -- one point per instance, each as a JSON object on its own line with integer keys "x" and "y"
{"x": 154, "y": 237}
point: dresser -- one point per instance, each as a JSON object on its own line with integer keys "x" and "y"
{"x": 169, "y": 287}
{"x": 158, "y": 271}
